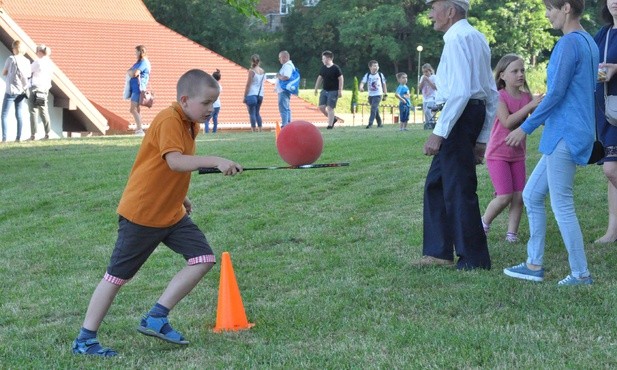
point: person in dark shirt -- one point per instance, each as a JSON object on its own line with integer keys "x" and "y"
{"x": 332, "y": 78}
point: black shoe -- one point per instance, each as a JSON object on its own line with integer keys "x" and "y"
{"x": 369, "y": 126}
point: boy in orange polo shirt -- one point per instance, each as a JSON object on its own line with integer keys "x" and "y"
{"x": 154, "y": 208}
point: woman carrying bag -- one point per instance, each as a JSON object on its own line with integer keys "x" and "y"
{"x": 254, "y": 92}
{"x": 17, "y": 72}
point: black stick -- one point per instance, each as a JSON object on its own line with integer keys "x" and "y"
{"x": 205, "y": 170}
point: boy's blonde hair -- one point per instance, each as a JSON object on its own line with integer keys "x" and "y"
{"x": 193, "y": 82}
{"x": 400, "y": 75}
{"x": 372, "y": 62}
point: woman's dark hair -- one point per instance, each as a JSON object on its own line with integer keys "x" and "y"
{"x": 577, "y": 6}
{"x": 605, "y": 15}
{"x": 217, "y": 74}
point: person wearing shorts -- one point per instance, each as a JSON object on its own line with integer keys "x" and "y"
{"x": 508, "y": 179}
{"x": 139, "y": 75}
{"x": 155, "y": 209}
{"x": 506, "y": 164}
{"x": 331, "y": 76}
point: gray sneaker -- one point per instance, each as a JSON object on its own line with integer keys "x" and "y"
{"x": 571, "y": 280}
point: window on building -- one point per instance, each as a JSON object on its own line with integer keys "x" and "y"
{"x": 309, "y": 2}
{"x": 286, "y": 6}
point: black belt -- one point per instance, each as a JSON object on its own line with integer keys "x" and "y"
{"x": 476, "y": 102}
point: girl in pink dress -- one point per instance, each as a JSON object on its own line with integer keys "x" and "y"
{"x": 506, "y": 164}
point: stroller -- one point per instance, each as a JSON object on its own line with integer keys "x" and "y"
{"x": 435, "y": 109}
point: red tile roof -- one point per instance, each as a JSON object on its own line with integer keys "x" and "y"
{"x": 93, "y": 42}
{"x": 269, "y": 7}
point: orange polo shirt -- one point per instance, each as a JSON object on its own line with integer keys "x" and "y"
{"x": 154, "y": 194}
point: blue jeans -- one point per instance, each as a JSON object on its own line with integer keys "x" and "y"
{"x": 254, "y": 105}
{"x": 284, "y": 98}
{"x": 215, "y": 120}
{"x": 18, "y": 102}
{"x": 554, "y": 174}
{"x": 374, "y": 102}
{"x": 404, "y": 112}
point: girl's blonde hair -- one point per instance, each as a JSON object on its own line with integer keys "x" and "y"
{"x": 503, "y": 63}
{"x": 427, "y": 66}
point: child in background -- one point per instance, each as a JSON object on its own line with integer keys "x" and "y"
{"x": 154, "y": 209}
{"x": 506, "y": 164}
{"x": 428, "y": 88}
{"x": 404, "y": 105}
{"x": 376, "y": 84}
{"x": 217, "y": 106}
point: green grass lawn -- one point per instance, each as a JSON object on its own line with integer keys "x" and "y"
{"x": 322, "y": 258}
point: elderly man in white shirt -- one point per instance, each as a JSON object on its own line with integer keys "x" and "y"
{"x": 42, "y": 71}
{"x": 452, "y": 220}
{"x": 287, "y": 68}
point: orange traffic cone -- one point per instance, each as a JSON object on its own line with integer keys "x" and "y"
{"x": 230, "y": 313}
{"x": 277, "y": 131}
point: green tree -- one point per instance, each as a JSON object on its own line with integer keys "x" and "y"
{"x": 356, "y": 31}
{"x": 519, "y": 27}
{"x": 247, "y": 7}
{"x": 215, "y": 24}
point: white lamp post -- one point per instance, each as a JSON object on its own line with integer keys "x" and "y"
{"x": 419, "y": 48}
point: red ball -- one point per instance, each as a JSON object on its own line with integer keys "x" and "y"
{"x": 299, "y": 143}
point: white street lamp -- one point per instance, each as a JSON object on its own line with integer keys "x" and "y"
{"x": 419, "y": 48}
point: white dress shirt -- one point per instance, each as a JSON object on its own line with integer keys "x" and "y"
{"x": 464, "y": 73}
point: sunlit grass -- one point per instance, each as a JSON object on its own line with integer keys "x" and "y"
{"x": 322, "y": 257}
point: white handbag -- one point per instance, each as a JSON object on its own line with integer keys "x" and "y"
{"x": 610, "y": 101}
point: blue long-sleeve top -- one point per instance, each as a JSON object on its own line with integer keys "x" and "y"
{"x": 567, "y": 109}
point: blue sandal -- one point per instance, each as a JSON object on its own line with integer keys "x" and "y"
{"x": 153, "y": 326}
{"x": 92, "y": 347}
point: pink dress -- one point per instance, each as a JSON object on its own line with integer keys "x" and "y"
{"x": 497, "y": 149}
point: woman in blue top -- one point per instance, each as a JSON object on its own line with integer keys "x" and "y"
{"x": 140, "y": 75}
{"x": 606, "y": 131}
{"x": 567, "y": 113}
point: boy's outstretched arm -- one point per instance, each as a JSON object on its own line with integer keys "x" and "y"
{"x": 186, "y": 163}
